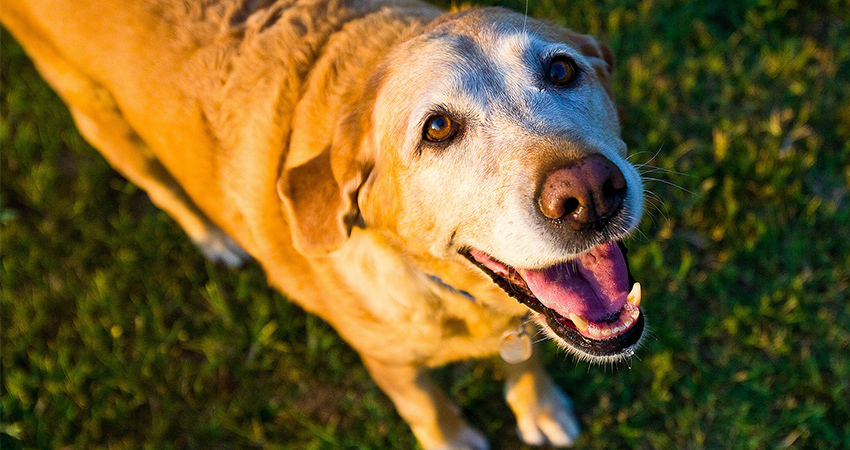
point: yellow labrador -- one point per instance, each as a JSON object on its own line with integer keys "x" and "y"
{"x": 398, "y": 171}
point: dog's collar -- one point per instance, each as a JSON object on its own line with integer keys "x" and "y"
{"x": 451, "y": 288}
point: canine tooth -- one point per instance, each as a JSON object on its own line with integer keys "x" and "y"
{"x": 579, "y": 321}
{"x": 634, "y": 295}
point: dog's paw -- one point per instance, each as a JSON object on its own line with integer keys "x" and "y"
{"x": 218, "y": 247}
{"x": 467, "y": 439}
{"x": 549, "y": 420}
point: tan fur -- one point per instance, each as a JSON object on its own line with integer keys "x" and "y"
{"x": 274, "y": 127}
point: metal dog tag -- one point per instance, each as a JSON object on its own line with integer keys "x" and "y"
{"x": 515, "y": 346}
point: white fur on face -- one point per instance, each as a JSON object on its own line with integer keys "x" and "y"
{"x": 480, "y": 191}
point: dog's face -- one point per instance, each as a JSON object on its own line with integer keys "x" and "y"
{"x": 494, "y": 142}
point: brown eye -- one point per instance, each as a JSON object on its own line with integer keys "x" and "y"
{"x": 562, "y": 71}
{"x": 439, "y": 128}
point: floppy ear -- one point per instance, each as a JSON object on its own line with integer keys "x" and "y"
{"x": 590, "y": 46}
{"x": 600, "y": 56}
{"x": 320, "y": 181}
{"x": 321, "y": 207}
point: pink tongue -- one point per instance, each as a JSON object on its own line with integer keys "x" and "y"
{"x": 594, "y": 285}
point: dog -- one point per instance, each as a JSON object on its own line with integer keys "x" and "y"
{"x": 430, "y": 183}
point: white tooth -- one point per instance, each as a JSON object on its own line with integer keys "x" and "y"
{"x": 579, "y": 321}
{"x": 634, "y": 295}
{"x": 606, "y": 331}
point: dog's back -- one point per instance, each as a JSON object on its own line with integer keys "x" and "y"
{"x": 138, "y": 78}
{"x": 203, "y": 96}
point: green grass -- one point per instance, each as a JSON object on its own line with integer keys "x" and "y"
{"x": 116, "y": 333}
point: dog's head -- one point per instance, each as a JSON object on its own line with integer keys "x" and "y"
{"x": 492, "y": 143}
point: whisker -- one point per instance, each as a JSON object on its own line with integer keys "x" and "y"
{"x": 525, "y": 20}
{"x": 653, "y": 204}
{"x": 645, "y": 152}
{"x": 654, "y": 200}
{"x": 653, "y": 169}
{"x": 670, "y": 183}
{"x": 653, "y": 195}
{"x": 629, "y": 157}
{"x": 655, "y": 155}
{"x": 641, "y": 235}
{"x": 662, "y": 213}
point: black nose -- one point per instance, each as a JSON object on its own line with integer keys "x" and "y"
{"x": 584, "y": 194}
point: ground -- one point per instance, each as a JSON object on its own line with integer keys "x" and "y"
{"x": 116, "y": 332}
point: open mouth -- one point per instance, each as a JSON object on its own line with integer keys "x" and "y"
{"x": 587, "y": 302}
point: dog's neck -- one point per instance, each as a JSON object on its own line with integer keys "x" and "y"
{"x": 451, "y": 288}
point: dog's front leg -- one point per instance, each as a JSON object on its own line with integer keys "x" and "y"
{"x": 434, "y": 419}
{"x": 543, "y": 412}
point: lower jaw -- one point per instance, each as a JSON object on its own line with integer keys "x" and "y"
{"x": 595, "y": 350}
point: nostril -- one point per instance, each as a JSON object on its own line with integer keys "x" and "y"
{"x": 571, "y": 205}
{"x": 614, "y": 186}
{"x": 614, "y": 191}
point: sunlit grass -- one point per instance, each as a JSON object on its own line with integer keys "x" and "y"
{"x": 116, "y": 332}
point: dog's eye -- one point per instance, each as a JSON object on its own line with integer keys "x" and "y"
{"x": 439, "y": 128}
{"x": 562, "y": 71}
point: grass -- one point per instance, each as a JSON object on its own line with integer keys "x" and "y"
{"x": 116, "y": 333}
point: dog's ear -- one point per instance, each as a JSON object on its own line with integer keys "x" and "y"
{"x": 323, "y": 173}
{"x": 320, "y": 205}
{"x": 600, "y": 56}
